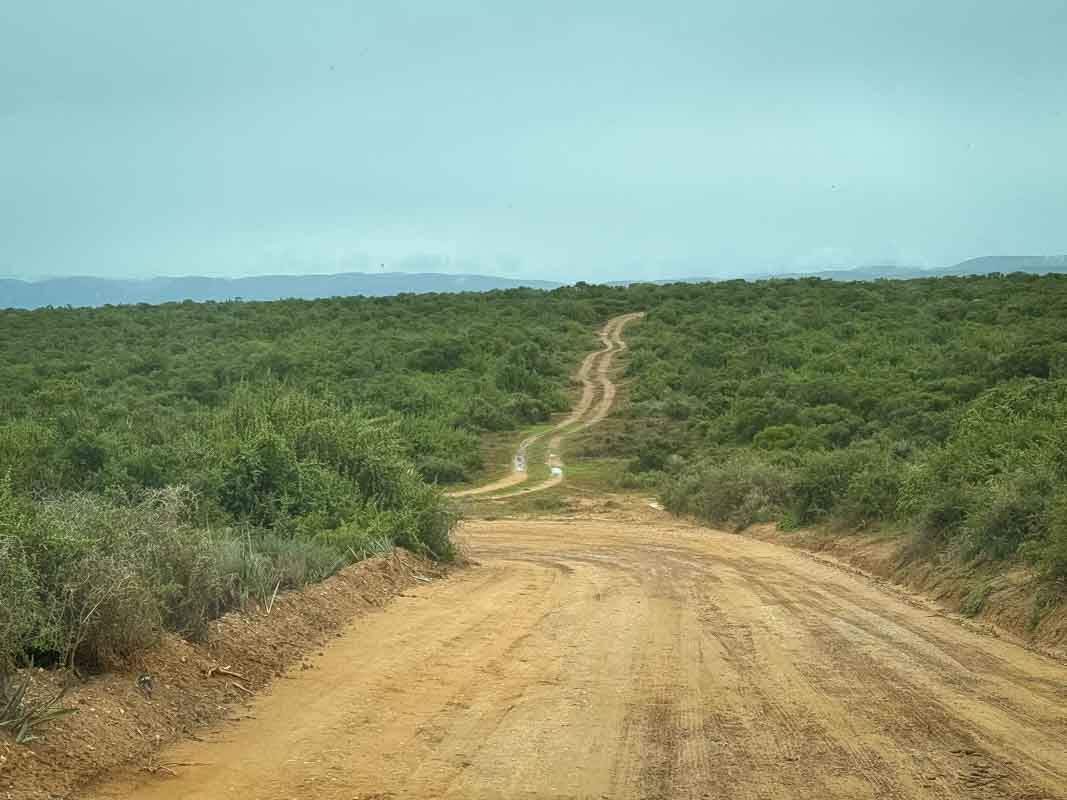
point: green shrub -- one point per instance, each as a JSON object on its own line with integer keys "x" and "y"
{"x": 1049, "y": 553}
{"x": 872, "y": 495}
{"x": 654, "y": 451}
{"x": 821, "y": 479}
{"x": 29, "y": 453}
{"x": 95, "y": 567}
{"x": 740, "y": 491}
{"x": 434, "y": 522}
{"x": 365, "y": 534}
{"x": 524, "y": 409}
{"x": 257, "y": 476}
{"x": 1004, "y": 514}
{"x": 641, "y": 480}
{"x": 974, "y": 602}
{"x": 486, "y": 412}
{"x": 944, "y": 511}
{"x": 253, "y": 564}
{"x": 435, "y": 469}
{"x": 20, "y": 607}
{"x": 778, "y": 437}
{"x": 90, "y": 581}
{"x": 989, "y": 486}
{"x": 298, "y": 562}
{"x": 305, "y": 466}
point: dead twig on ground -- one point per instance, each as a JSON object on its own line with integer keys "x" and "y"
{"x": 153, "y": 767}
{"x": 229, "y": 673}
{"x": 273, "y": 597}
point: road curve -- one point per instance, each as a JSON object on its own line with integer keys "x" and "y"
{"x": 594, "y": 374}
{"x": 608, "y": 659}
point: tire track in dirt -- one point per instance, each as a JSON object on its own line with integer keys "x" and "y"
{"x": 610, "y": 340}
{"x": 584, "y": 413}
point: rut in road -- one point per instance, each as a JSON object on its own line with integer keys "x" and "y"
{"x": 642, "y": 659}
{"x": 595, "y": 376}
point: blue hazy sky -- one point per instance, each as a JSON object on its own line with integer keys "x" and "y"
{"x": 561, "y": 140}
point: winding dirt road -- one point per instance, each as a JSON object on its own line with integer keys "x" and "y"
{"x": 639, "y": 657}
{"x": 594, "y": 374}
{"x": 622, "y": 659}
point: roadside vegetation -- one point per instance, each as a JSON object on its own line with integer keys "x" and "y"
{"x": 160, "y": 465}
{"x": 937, "y": 407}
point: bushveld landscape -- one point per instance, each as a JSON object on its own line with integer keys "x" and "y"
{"x": 161, "y": 466}
{"x": 533, "y": 400}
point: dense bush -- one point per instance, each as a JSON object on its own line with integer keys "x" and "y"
{"x": 20, "y": 603}
{"x": 940, "y": 403}
{"x": 308, "y": 434}
{"x": 874, "y": 487}
{"x": 91, "y": 580}
{"x": 739, "y": 491}
{"x": 310, "y": 483}
{"x": 1050, "y": 551}
{"x": 992, "y": 484}
{"x": 99, "y": 577}
{"x": 92, "y": 398}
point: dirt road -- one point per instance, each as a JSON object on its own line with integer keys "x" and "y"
{"x": 594, "y": 374}
{"x": 626, "y": 659}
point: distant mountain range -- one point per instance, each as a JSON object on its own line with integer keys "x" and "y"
{"x": 975, "y": 266}
{"x": 105, "y": 291}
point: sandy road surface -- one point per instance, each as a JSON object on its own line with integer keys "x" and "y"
{"x": 595, "y": 376}
{"x": 593, "y": 659}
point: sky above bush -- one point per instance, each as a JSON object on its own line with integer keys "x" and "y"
{"x": 595, "y": 140}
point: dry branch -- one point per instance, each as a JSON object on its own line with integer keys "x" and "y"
{"x": 216, "y": 670}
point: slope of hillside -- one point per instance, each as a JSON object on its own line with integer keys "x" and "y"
{"x": 936, "y": 407}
